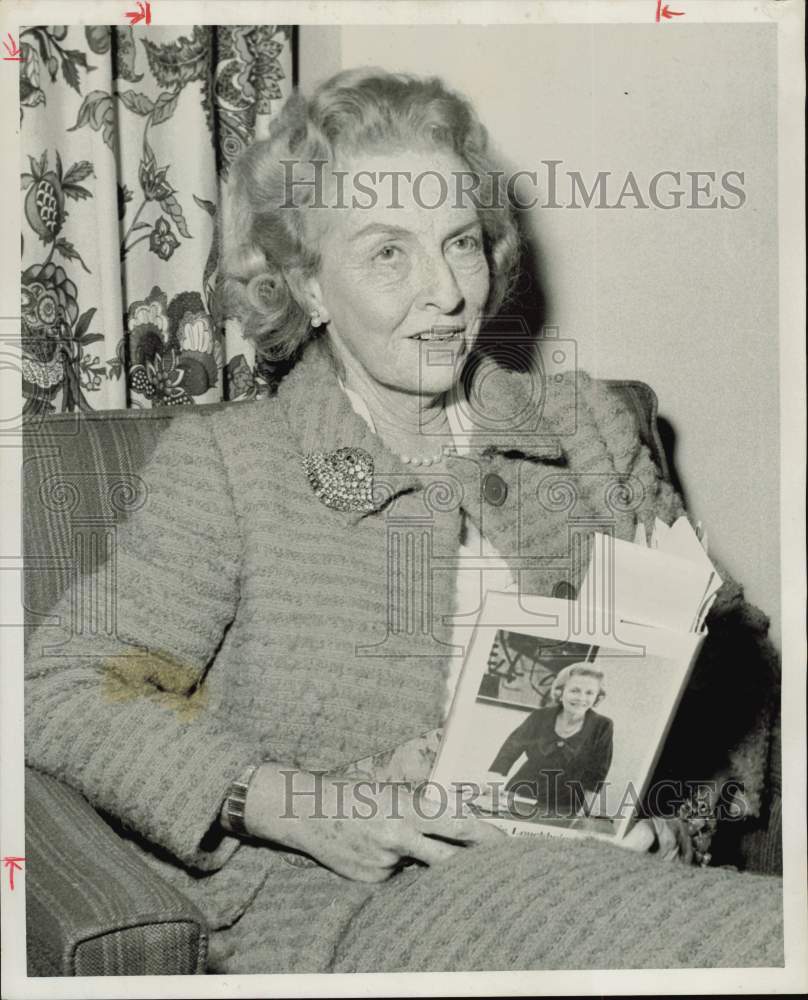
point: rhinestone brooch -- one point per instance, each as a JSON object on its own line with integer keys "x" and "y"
{"x": 342, "y": 479}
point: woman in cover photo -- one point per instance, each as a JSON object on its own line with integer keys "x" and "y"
{"x": 567, "y": 746}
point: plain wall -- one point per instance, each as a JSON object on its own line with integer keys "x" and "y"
{"x": 685, "y": 299}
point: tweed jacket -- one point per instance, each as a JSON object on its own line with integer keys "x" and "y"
{"x": 256, "y": 622}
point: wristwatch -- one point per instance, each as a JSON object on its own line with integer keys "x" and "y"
{"x": 232, "y": 814}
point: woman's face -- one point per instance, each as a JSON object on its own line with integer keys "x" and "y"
{"x": 403, "y": 282}
{"x": 580, "y": 694}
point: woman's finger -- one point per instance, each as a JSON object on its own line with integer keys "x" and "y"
{"x": 454, "y": 823}
{"x": 471, "y": 830}
{"x": 667, "y": 838}
{"x": 674, "y": 840}
{"x": 367, "y": 873}
{"x": 640, "y": 838}
{"x": 684, "y": 843}
{"x": 454, "y": 819}
{"x": 427, "y": 850}
{"x": 383, "y": 857}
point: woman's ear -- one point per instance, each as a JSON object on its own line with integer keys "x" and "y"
{"x": 309, "y": 296}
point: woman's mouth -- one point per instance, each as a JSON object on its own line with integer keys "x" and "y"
{"x": 440, "y": 334}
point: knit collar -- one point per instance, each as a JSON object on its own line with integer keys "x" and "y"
{"x": 498, "y": 415}
{"x": 321, "y": 417}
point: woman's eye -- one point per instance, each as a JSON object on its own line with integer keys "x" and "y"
{"x": 387, "y": 254}
{"x": 467, "y": 244}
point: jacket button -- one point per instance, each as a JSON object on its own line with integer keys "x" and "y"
{"x": 495, "y": 489}
{"x": 565, "y": 591}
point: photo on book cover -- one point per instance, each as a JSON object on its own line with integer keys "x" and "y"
{"x": 552, "y": 735}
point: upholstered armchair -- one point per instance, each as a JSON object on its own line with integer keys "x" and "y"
{"x": 93, "y": 907}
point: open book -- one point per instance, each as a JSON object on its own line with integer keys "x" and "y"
{"x": 562, "y": 707}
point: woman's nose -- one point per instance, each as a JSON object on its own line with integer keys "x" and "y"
{"x": 439, "y": 287}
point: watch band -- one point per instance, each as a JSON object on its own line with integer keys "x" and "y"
{"x": 232, "y": 815}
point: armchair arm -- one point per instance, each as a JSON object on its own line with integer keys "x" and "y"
{"x": 93, "y": 908}
{"x": 761, "y": 847}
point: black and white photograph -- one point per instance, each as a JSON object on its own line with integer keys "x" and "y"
{"x": 522, "y": 669}
{"x": 578, "y": 762}
{"x": 404, "y": 398}
{"x": 559, "y": 756}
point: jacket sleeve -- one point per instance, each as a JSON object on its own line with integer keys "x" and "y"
{"x": 715, "y": 734}
{"x": 122, "y": 717}
{"x": 514, "y": 746}
{"x": 599, "y": 756}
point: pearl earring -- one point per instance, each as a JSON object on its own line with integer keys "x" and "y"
{"x": 316, "y": 319}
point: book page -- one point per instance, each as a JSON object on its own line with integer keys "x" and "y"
{"x": 628, "y": 685}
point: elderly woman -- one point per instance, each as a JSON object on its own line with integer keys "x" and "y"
{"x": 288, "y": 616}
{"x": 568, "y": 745}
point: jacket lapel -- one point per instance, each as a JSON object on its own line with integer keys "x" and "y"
{"x": 321, "y": 419}
{"x": 502, "y": 416}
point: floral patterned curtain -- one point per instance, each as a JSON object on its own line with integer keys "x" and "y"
{"x": 127, "y": 138}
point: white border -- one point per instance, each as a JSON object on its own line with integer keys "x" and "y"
{"x": 324, "y": 12}
{"x": 789, "y": 16}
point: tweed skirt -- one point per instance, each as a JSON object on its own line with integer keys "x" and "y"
{"x": 537, "y": 904}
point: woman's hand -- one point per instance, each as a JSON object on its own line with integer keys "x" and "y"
{"x": 669, "y": 836}
{"x": 688, "y": 835}
{"x": 360, "y": 830}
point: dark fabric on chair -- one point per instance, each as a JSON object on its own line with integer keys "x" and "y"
{"x": 92, "y": 906}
